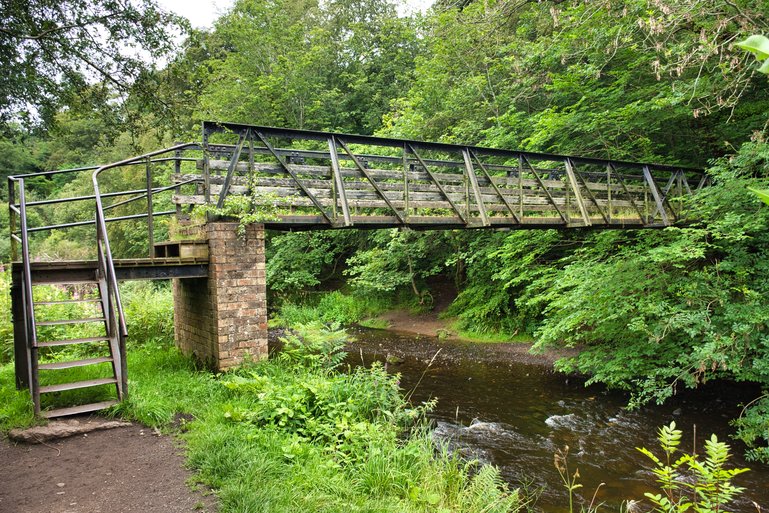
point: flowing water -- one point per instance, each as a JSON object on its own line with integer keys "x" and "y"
{"x": 516, "y": 415}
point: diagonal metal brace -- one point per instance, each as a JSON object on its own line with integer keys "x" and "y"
{"x": 618, "y": 175}
{"x": 587, "y": 189}
{"x": 231, "y": 168}
{"x": 365, "y": 173}
{"x": 544, "y": 188}
{"x": 496, "y": 188}
{"x": 291, "y": 173}
{"x": 437, "y": 183}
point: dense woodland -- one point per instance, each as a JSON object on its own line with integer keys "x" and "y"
{"x": 653, "y": 311}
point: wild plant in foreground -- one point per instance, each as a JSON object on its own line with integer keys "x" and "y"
{"x": 686, "y": 482}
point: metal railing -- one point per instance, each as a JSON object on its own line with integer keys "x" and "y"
{"x": 20, "y": 231}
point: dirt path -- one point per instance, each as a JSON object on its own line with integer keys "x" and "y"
{"x": 124, "y": 470}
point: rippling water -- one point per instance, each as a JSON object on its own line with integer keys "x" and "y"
{"x": 516, "y": 416}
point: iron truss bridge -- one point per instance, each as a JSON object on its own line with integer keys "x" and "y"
{"x": 299, "y": 179}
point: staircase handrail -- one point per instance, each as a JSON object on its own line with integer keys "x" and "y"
{"x": 101, "y": 227}
{"x": 21, "y": 211}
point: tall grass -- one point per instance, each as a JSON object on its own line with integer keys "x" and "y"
{"x": 333, "y": 307}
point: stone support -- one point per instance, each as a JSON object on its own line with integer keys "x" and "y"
{"x": 222, "y": 319}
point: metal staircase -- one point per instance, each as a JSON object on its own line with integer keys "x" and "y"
{"x": 101, "y": 347}
{"x": 46, "y": 356}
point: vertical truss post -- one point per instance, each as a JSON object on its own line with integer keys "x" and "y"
{"x": 338, "y": 182}
{"x": 12, "y": 219}
{"x": 608, "y": 191}
{"x": 177, "y": 173}
{"x": 658, "y": 199}
{"x": 520, "y": 186}
{"x": 476, "y": 189}
{"x": 494, "y": 186}
{"x": 206, "y": 170}
{"x": 150, "y": 217}
{"x": 577, "y": 194}
{"x": 405, "y": 183}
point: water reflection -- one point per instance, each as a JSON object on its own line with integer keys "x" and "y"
{"x": 516, "y": 415}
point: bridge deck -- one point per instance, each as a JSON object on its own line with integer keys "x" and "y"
{"x": 70, "y": 271}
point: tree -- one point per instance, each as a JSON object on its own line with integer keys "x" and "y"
{"x": 51, "y": 49}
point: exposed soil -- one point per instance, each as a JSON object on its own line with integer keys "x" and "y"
{"x": 124, "y": 470}
{"x": 430, "y": 324}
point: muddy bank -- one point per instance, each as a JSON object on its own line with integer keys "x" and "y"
{"x": 430, "y": 325}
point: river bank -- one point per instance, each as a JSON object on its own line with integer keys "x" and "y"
{"x": 432, "y": 325}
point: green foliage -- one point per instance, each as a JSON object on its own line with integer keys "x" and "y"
{"x": 308, "y": 64}
{"x": 148, "y": 310}
{"x": 315, "y": 346}
{"x": 297, "y": 262}
{"x": 333, "y": 308}
{"x": 334, "y": 440}
{"x": 398, "y": 259}
{"x": 688, "y": 483}
{"x": 753, "y": 428}
{"x": 50, "y": 52}
{"x": 246, "y": 209}
{"x": 759, "y": 46}
{"x": 281, "y": 434}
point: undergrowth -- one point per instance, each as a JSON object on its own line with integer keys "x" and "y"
{"x": 296, "y": 433}
{"x": 332, "y": 307}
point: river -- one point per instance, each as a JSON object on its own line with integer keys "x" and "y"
{"x": 516, "y": 415}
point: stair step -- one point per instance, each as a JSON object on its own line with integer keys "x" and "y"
{"x": 73, "y": 363}
{"x": 71, "y": 341}
{"x": 43, "y": 281}
{"x": 67, "y": 302}
{"x": 77, "y": 384}
{"x": 69, "y": 321}
{"x": 75, "y": 410}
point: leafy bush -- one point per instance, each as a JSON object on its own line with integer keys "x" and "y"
{"x": 149, "y": 310}
{"x": 297, "y": 435}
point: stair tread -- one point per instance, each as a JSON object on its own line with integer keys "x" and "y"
{"x": 42, "y": 281}
{"x": 69, "y": 321}
{"x": 75, "y": 410}
{"x": 77, "y": 384}
{"x": 73, "y": 363}
{"x": 67, "y": 301}
{"x": 70, "y": 341}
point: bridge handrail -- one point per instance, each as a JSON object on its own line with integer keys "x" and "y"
{"x": 214, "y": 126}
{"x": 102, "y": 237}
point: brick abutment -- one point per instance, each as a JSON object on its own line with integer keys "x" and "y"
{"x": 222, "y": 320}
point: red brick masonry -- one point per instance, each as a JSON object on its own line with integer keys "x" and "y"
{"x": 222, "y": 319}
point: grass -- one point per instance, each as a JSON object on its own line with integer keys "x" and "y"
{"x": 331, "y": 307}
{"x": 491, "y": 337}
{"x": 292, "y": 434}
{"x": 374, "y": 323}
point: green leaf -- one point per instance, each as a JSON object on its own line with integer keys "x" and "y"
{"x": 764, "y": 67}
{"x": 763, "y": 195}
{"x": 757, "y": 45}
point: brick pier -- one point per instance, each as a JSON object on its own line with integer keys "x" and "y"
{"x": 222, "y": 319}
